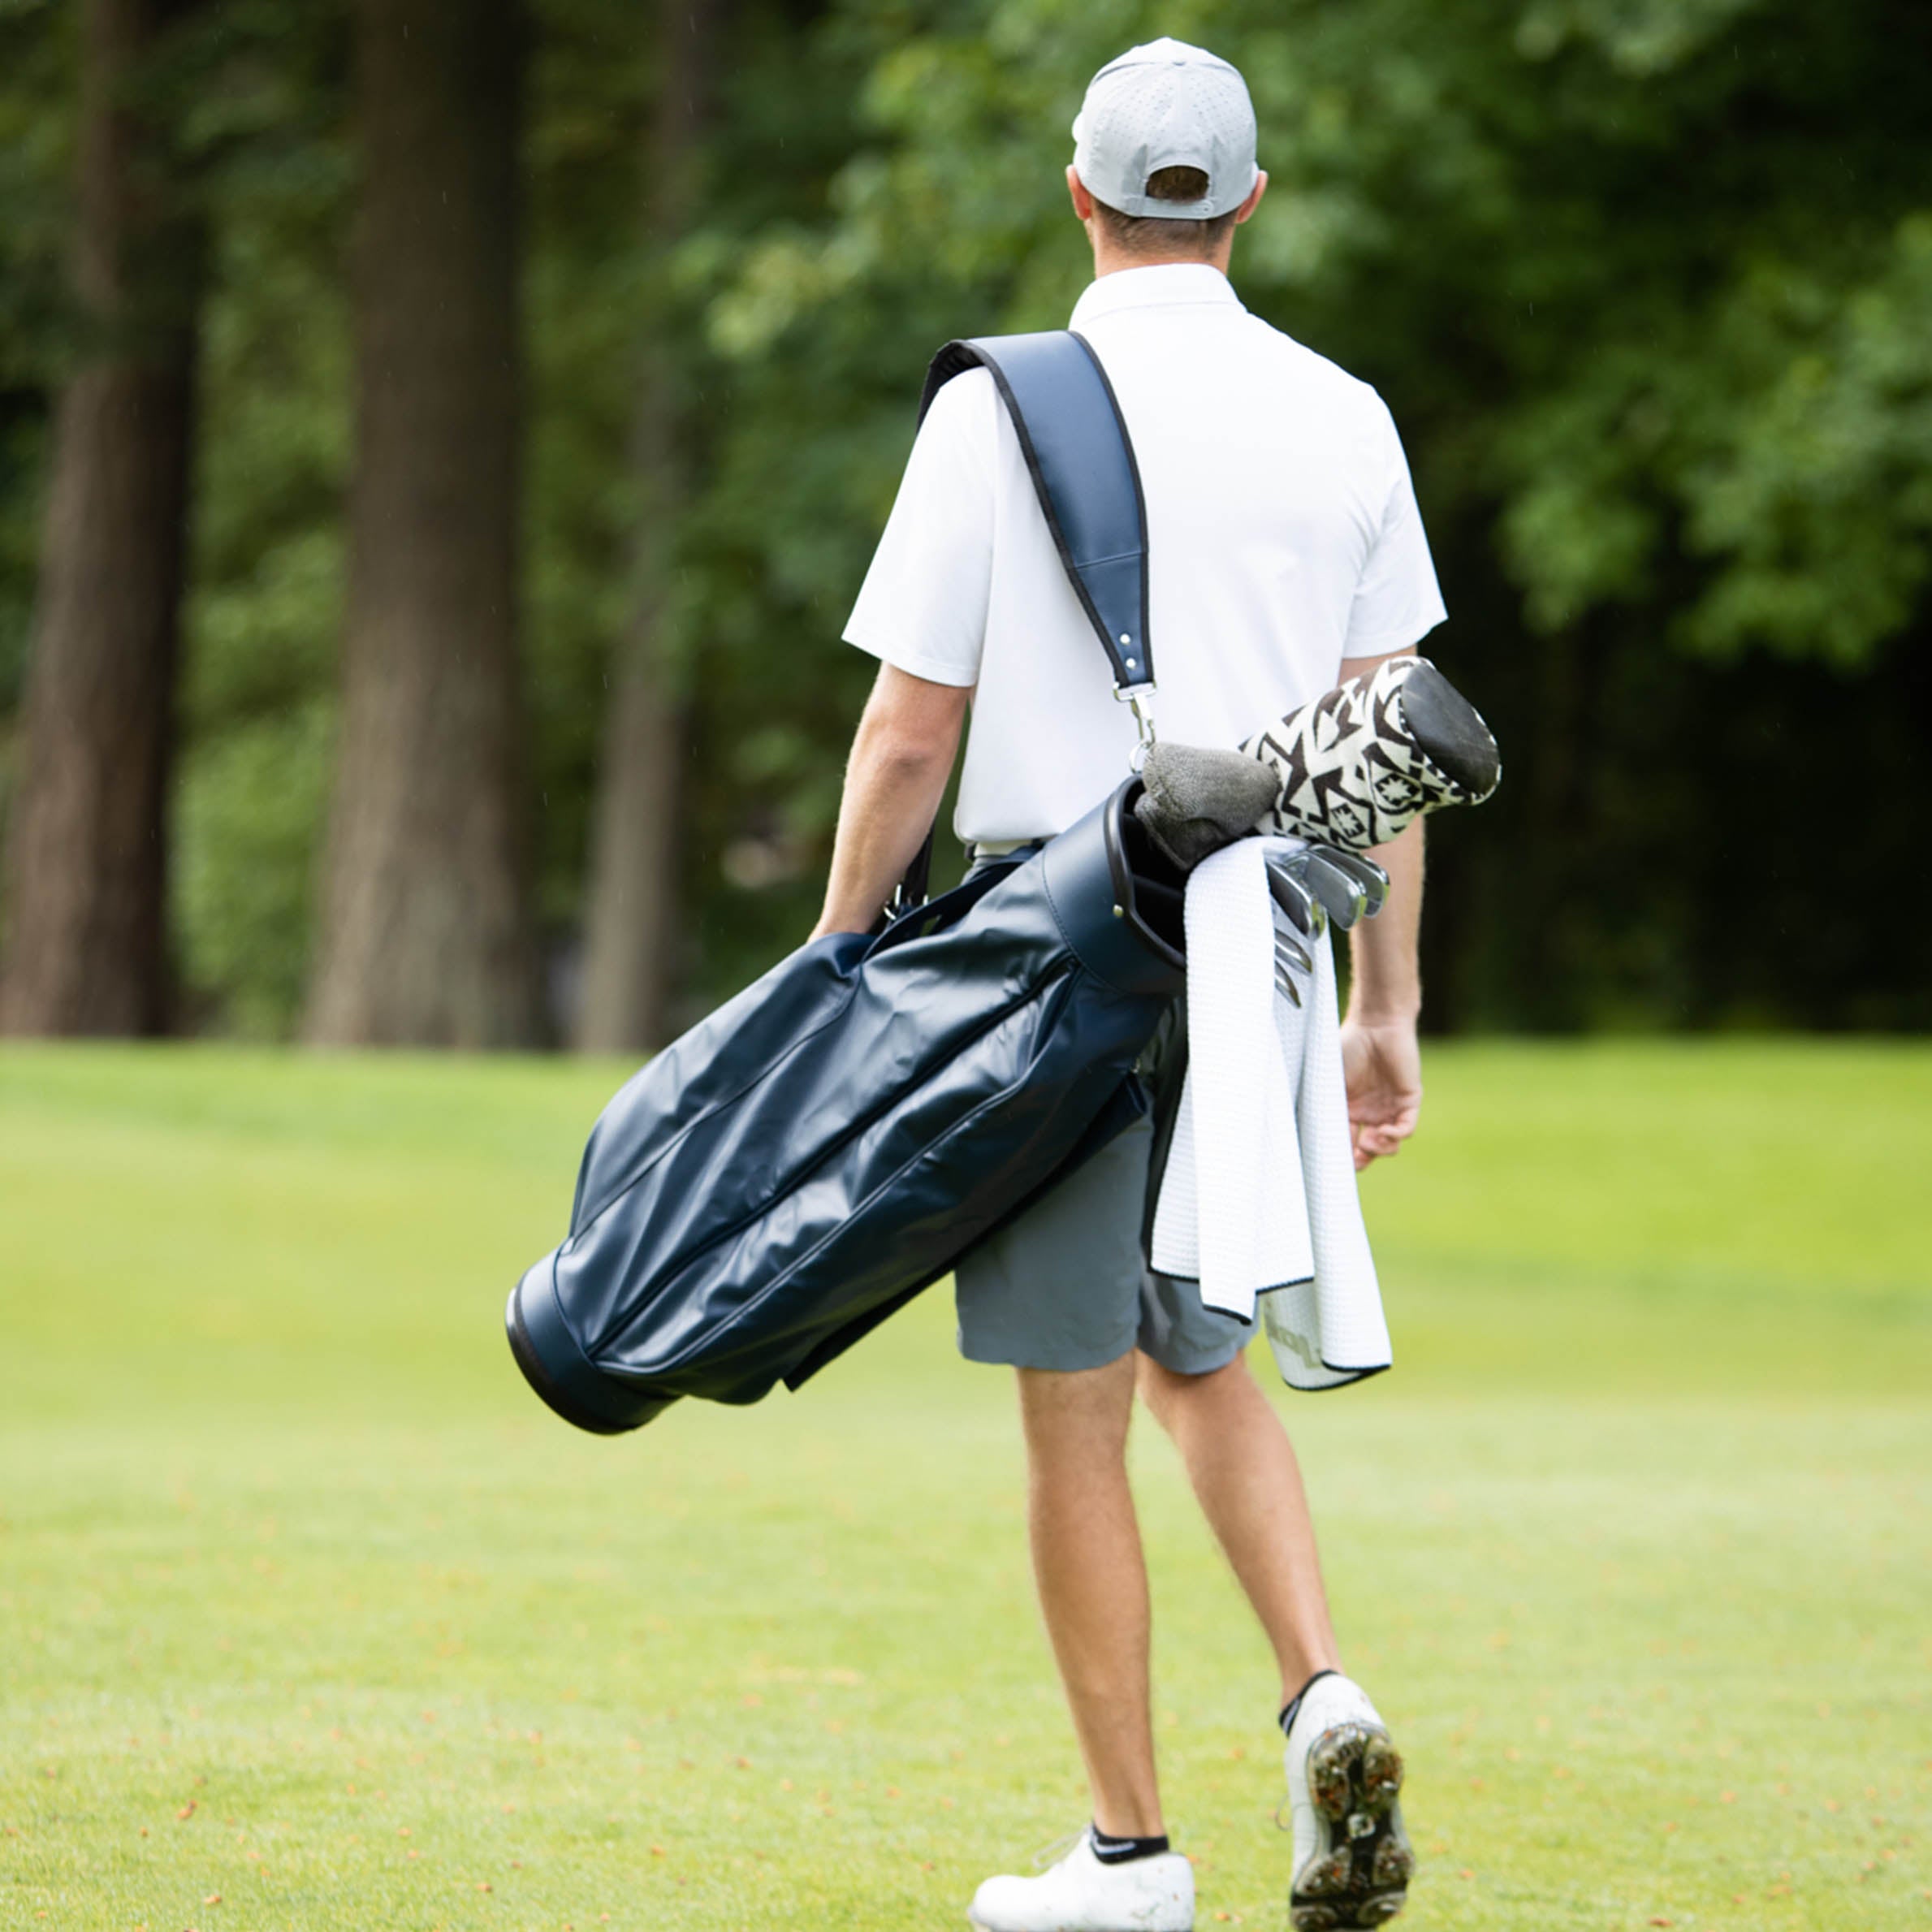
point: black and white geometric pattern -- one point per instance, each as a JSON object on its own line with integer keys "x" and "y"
{"x": 1350, "y": 771}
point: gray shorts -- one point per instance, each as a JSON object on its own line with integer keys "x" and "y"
{"x": 1065, "y": 1285}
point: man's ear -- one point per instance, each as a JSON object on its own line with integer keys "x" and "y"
{"x": 1253, "y": 196}
{"x": 1082, "y": 200}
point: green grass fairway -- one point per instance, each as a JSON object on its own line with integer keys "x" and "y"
{"x": 310, "y": 1616}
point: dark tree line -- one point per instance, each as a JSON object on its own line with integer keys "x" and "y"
{"x": 427, "y": 932}
{"x": 630, "y": 914}
{"x": 86, "y": 852}
{"x": 438, "y": 446}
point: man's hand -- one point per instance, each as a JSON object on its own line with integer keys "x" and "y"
{"x": 1381, "y": 1061}
{"x": 1382, "y": 1066}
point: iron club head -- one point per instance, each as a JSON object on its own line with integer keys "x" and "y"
{"x": 1340, "y": 891}
{"x": 1300, "y": 906}
{"x": 1288, "y": 953}
{"x": 1372, "y": 879}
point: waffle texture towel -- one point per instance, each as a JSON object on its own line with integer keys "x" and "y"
{"x": 1258, "y": 1203}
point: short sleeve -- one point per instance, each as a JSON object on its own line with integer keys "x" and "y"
{"x": 1397, "y": 600}
{"x": 923, "y": 606}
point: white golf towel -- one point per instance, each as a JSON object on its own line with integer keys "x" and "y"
{"x": 1258, "y": 1203}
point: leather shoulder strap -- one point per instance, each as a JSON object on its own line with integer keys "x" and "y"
{"x": 1082, "y": 463}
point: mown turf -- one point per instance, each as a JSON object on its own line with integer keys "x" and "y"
{"x": 308, "y": 1608}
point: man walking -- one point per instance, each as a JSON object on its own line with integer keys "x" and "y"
{"x": 1286, "y": 555}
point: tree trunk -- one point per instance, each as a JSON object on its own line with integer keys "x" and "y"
{"x": 427, "y": 932}
{"x": 630, "y": 947}
{"x": 86, "y": 860}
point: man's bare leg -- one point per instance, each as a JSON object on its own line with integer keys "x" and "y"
{"x": 1092, "y": 1579}
{"x": 1244, "y": 1472}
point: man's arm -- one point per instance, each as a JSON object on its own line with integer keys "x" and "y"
{"x": 1381, "y": 1060}
{"x": 901, "y": 760}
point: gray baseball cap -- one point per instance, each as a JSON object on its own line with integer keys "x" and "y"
{"x": 1163, "y": 106}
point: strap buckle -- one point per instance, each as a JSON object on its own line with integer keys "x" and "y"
{"x": 1132, "y": 696}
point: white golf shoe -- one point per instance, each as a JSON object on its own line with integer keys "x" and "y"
{"x": 1352, "y": 1859}
{"x": 1080, "y": 1894}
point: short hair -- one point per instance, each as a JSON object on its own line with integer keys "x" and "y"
{"x": 1164, "y": 234}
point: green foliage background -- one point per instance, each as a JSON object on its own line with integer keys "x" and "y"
{"x": 1648, "y": 285}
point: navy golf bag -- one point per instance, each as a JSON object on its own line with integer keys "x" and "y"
{"x": 801, "y": 1163}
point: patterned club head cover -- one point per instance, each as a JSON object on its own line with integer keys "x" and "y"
{"x": 1361, "y": 764}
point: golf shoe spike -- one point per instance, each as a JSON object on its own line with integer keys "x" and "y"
{"x": 1352, "y": 1857}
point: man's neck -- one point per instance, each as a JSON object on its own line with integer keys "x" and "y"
{"x": 1110, "y": 260}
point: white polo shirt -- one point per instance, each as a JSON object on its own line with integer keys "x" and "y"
{"x": 1282, "y": 536}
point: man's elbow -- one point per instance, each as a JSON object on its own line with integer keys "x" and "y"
{"x": 894, "y": 752}
{"x": 911, "y": 727}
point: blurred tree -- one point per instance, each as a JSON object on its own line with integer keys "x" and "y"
{"x": 269, "y": 86}
{"x": 631, "y": 924}
{"x": 427, "y": 935}
{"x": 86, "y": 846}
{"x": 38, "y": 55}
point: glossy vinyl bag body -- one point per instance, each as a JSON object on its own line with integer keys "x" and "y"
{"x": 833, "y": 1139}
